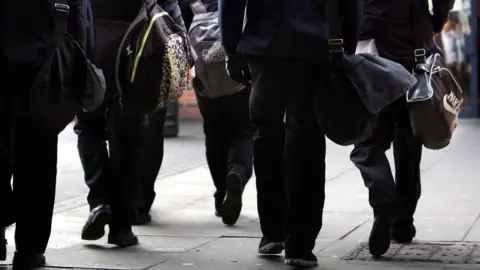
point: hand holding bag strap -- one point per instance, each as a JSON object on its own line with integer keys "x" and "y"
{"x": 419, "y": 52}
{"x": 335, "y": 40}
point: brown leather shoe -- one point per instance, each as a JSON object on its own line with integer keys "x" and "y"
{"x": 3, "y": 245}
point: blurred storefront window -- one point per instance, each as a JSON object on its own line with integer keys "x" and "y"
{"x": 459, "y": 47}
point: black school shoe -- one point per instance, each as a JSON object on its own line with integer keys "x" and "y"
{"x": 219, "y": 198}
{"x": 142, "y": 218}
{"x": 379, "y": 240}
{"x": 270, "y": 248}
{"x": 99, "y": 217}
{"x": 122, "y": 236}
{"x": 305, "y": 261}
{"x": 403, "y": 235}
{"x": 232, "y": 206}
{"x": 27, "y": 261}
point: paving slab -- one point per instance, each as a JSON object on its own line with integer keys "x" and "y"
{"x": 240, "y": 254}
{"x": 101, "y": 257}
{"x": 185, "y": 234}
{"x": 227, "y": 253}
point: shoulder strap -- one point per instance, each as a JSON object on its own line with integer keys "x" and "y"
{"x": 60, "y": 13}
{"x": 416, "y": 7}
{"x": 335, "y": 40}
{"x": 90, "y": 29}
{"x": 138, "y": 19}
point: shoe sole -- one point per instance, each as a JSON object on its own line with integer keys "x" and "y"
{"x": 379, "y": 240}
{"x": 96, "y": 229}
{"x": 301, "y": 263}
{"x": 271, "y": 249}
{"x": 232, "y": 206}
{"x": 124, "y": 243}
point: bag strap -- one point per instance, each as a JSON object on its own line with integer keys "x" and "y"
{"x": 60, "y": 13}
{"x": 419, "y": 51}
{"x": 335, "y": 40}
{"x": 140, "y": 17}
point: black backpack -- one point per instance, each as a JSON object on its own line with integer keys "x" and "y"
{"x": 151, "y": 68}
{"x": 212, "y": 79}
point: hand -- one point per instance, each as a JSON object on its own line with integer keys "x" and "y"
{"x": 191, "y": 74}
{"x": 237, "y": 68}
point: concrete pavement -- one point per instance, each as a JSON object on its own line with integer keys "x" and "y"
{"x": 185, "y": 233}
{"x": 182, "y": 153}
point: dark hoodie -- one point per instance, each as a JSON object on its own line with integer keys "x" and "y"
{"x": 27, "y": 28}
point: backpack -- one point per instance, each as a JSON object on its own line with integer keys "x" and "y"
{"x": 205, "y": 37}
{"x": 153, "y": 60}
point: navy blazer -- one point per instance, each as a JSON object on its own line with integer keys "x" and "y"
{"x": 391, "y": 22}
{"x": 26, "y": 30}
{"x": 285, "y": 28}
{"x": 26, "y": 34}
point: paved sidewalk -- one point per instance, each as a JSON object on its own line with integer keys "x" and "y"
{"x": 185, "y": 233}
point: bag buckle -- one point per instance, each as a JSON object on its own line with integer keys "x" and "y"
{"x": 335, "y": 45}
{"x": 62, "y": 8}
{"x": 420, "y": 54}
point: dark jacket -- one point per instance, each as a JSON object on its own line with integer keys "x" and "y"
{"x": 27, "y": 29}
{"x": 285, "y": 28}
{"x": 389, "y": 22}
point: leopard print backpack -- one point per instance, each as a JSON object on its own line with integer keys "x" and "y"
{"x": 153, "y": 59}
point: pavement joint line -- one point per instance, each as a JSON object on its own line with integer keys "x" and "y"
{"x": 155, "y": 265}
{"x": 339, "y": 175}
{"x": 471, "y": 227}
{"x": 175, "y": 236}
{"x": 353, "y": 230}
{"x": 65, "y": 206}
{"x": 239, "y": 237}
{"x": 342, "y": 237}
{"x": 345, "y": 213}
{"x": 200, "y": 245}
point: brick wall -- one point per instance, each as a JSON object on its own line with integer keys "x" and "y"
{"x": 188, "y": 108}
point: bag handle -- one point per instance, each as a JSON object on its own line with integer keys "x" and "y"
{"x": 335, "y": 40}
{"x": 419, "y": 51}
